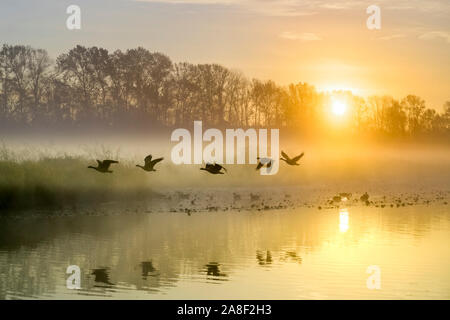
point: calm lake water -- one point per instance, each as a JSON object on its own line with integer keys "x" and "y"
{"x": 282, "y": 254}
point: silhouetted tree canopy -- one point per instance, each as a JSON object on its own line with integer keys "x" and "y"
{"x": 91, "y": 86}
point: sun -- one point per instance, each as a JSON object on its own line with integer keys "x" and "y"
{"x": 338, "y": 108}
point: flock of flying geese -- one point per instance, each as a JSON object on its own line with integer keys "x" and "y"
{"x": 213, "y": 168}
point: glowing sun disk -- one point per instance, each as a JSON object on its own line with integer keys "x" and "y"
{"x": 338, "y": 108}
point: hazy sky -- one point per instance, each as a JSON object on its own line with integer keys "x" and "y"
{"x": 324, "y": 42}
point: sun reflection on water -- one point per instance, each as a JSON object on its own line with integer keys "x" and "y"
{"x": 343, "y": 220}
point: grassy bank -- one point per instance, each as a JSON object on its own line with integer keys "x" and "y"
{"x": 66, "y": 182}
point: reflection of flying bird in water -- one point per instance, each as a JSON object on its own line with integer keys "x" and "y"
{"x": 292, "y": 255}
{"x": 101, "y": 275}
{"x": 293, "y": 161}
{"x": 213, "y": 269}
{"x": 103, "y": 166}
{"x": 213, "y": 168}
{"x": 147, "y": 267}
{"x": 263, "y": 260}
{"x": 149, "y": 163}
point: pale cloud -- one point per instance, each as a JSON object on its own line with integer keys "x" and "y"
{"x": 393, "y": 36}
{"x": 293, "y": 8}
{"x": 401, "y": 7}
{"x": 429, "y": 6}
{"x": 433, "y": 35}
{"x": 300, "y": 36}
{"x": 308, "y": 7}
{"x": 338, "y": 5}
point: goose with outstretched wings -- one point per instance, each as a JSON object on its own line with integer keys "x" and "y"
{"x": 149, "y": 163}
{"x": 103, "y": 166}
{"x": 214, "y": 168}
{"x": 291, "y": 161}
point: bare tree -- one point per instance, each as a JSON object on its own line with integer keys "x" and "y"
{"x": 91, "y": 86}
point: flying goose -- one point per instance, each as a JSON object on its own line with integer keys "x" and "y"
{"x": 264, "y": 162}
{"x": 149, "y": 163}
{"x": 213, "y": 168}
{"x": 103, "y": 166}
{"x": 289, "y": 161}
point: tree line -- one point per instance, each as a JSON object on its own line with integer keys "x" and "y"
{"x": 135, "y": 88}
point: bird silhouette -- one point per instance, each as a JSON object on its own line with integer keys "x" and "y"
{"x": 149, "y": 163}
{"x": 213, "y": 269}
{"x": 147, "y": 267}
{"x": 103, "y": 166}
{"x": 293, "y": 161}
{"x": 101, "y": 275}
{"x": 337, "y": 199}
{"x": 263, "y": 162}
{"x": 364, "y": 197}
{"x": 263, "y": 260}
{"x": 214, "y": 168}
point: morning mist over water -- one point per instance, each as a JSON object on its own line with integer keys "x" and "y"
{"x": 195, "y": 150}
{"x": 164, "y": 234}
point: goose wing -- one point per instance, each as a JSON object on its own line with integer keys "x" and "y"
{"x": 148, "y": 159}
{"x": 298, "y": 157}
{"x": 101, "y": 165}
{"x": 265, "y": 160}
{"x": 107, "y": 163}
{"x": 110, "y": 161}
{"x": 155, "y": 161}
{"x": 218, "y": 167}
{"x": 284, "y": 155}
